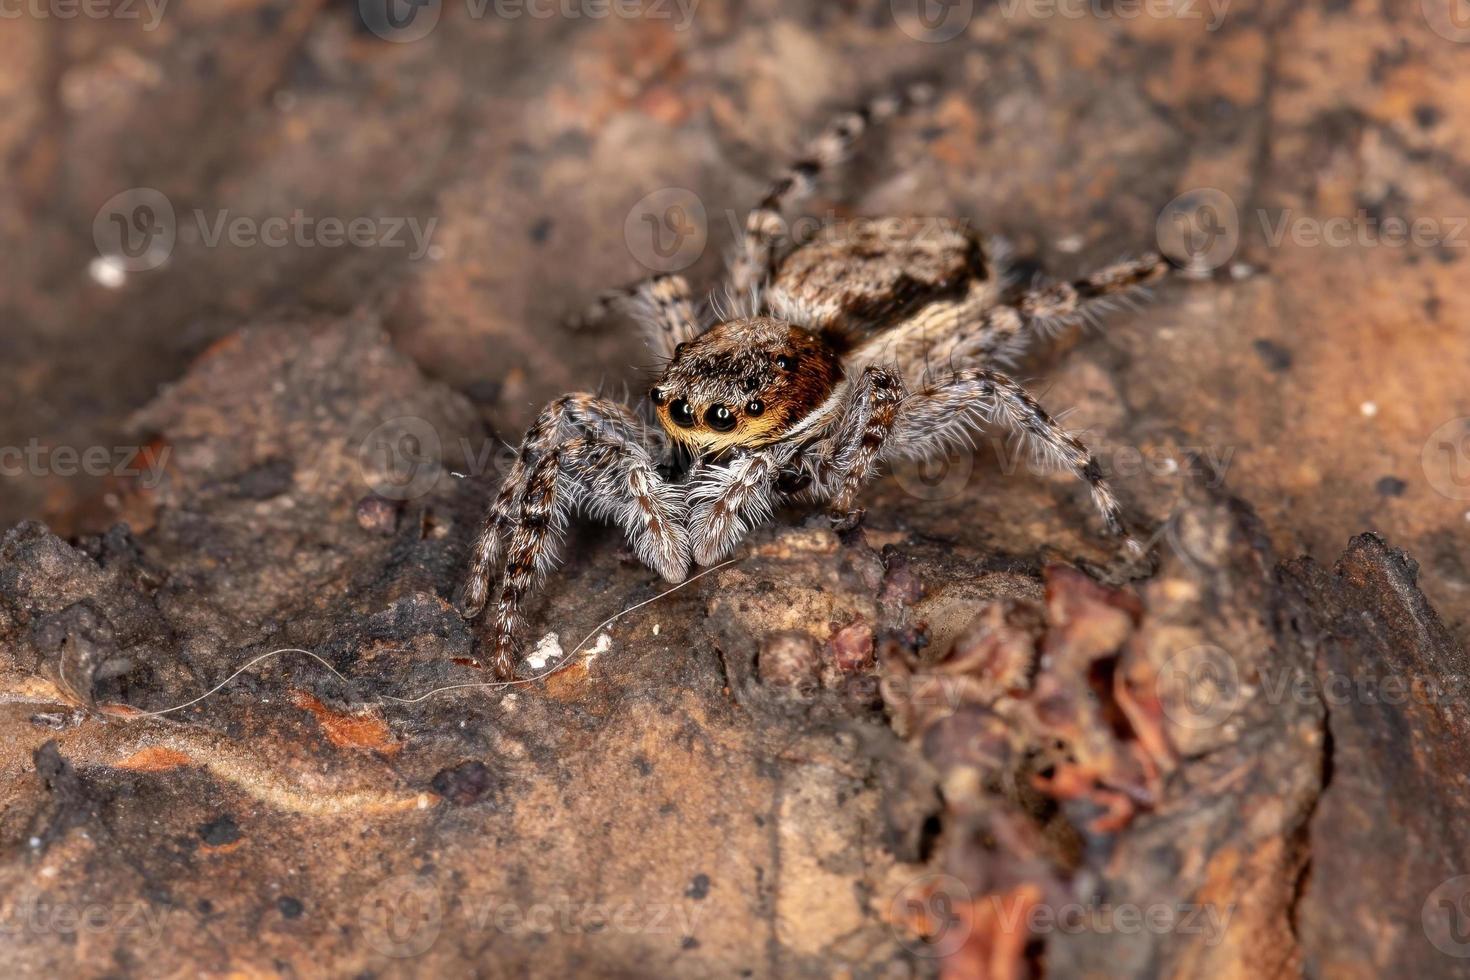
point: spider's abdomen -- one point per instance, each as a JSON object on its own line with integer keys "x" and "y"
{"x": 858, "y": 276}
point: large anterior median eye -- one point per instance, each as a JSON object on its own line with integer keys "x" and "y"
{"x": 719, "y": 418}
{"x": 682, "y": 414}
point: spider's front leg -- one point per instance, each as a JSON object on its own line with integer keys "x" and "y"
{"x": 582, "y": 453}
{"x": 885, "y": 422}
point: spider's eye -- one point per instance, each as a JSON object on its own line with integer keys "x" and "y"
{"x": 657, "y": 396}
{"x": 720, "y": 418}
{"x": 754, "y": 407}
{"x": 786, "y": 362}
{"x": 681, "y": 413}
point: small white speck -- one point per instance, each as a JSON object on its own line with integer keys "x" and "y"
{"x": 35, "y": 842}
{"x": 1241, "y": 270}
{"x": 656, "y": 626}
{"x": 1369, "y": 409}
{"x": 1171, "y": 465}
{"x": 435, "y": 253}
{"x": 107, "y": 272}
{"x": 603, "y": 644}
{"x": 1071, "y": 245}
{"x": 547, "y": 651}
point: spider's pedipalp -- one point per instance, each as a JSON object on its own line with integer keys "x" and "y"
{"x": 731, "y": 498}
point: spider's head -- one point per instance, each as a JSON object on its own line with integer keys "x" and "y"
{"x": 743, "y": 383}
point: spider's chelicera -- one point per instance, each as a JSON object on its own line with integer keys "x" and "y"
{"x": 873, "y": 341}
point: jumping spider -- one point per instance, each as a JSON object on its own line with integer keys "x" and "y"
{"x": 873, "y": 341}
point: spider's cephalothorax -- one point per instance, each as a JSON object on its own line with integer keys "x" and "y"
{"x": 744, "y": 384}
{"x": 874, "y": 341}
